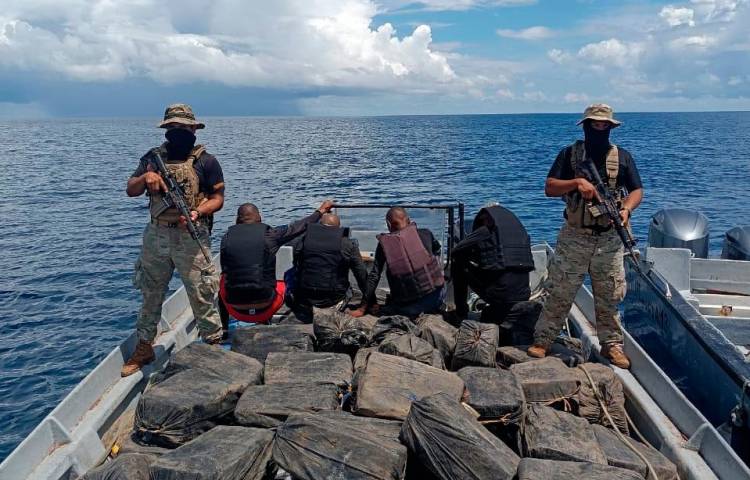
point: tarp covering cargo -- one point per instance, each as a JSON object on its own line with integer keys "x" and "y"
{"x": 412, "y": 347}
{"x": 555, "y": 435}
{"x": 449, "y": 441}
{"x": 546, "y": 380}
{"x": 374, "y": 427}
{"x": 610, "y": 391}
{"x": 228, "y": 365}
{"x": 183, "y": 406}
{"x": 510, "y": 355}
{"x": 310, "y": 367}
{"x": 224, "y": 453}
{"x": 537, "y": 469}
{"x": 388, "y": 385}
{"x": 338, "y": 332}
{"x": 438, "y": 333}
{"x": 131, "y": 466}
{"x": 620, "y": 455}
{"x": 391, "y": 325}
{"x": 476, "y": 345}
{"x": 314, "y": 446}
{"x": 269, "y": 405}
{"x": 260, "y": 340}
{"x": 493, "y": 393}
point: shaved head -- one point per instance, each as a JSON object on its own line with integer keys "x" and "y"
{"x": 330, "y": 220}
{"x": 397, "y": 219}
{"x": 248, "y": 213}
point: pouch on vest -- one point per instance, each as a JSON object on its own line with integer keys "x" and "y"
{"x": 160, "y": 206}
{"x": 581, "y": 213}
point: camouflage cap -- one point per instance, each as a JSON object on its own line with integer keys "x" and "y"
{"x": 180, "y": 113}
{"x": 600, "y": 112}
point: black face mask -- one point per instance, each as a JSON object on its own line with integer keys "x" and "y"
{"x": 597, "y": 141}
{"x": 179, "y": 143}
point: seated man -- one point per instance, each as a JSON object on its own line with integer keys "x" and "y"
{"x": 249, "y": 289}
{"x": 414, "y": 273}
{"x": 494, "y": 260}
{"x": 323, "y": 258}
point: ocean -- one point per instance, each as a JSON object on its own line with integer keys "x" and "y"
{"x": 71, "y": 236}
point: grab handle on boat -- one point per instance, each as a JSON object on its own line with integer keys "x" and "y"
{"x": 658, "y": 281}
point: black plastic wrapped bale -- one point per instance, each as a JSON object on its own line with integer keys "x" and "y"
{"x": 373, "y": 427}
{"x": 546, "y": 380}
{"x": 452, "y": 444}
{"x": 412, "y": 347}
{"x": 314, "y": 446}
{"x": 476, "y": 345}
{"x": 224, "y": 453}
{"x": 183, "y": 406}
{"x": 360, "y": 359}
{"x": 620, "y": 455}
{"x": 511, "y": 355}
{"x": 538, "y": 469}
{"x": 493, "y": 393}
{"x": 130, "y": 466}
{"x": 231, "y": 366}
{"x": 554, "y": 435}
{"x": 269, "y": 405}
{"x": 610, "y": 390}
{"x": 310, "y": 367}
{"x": 259, "y": 341}
{"x": 391, "y": 325}
{"x": 338, "y": 332}
{"x": 388, "y": 385}
{"x": 438, "y": 333}
{"x": 130, "y": 444}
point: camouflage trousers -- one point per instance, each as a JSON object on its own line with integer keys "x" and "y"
{"x": 578, "y": 253}
{"x": 165, "y": 249}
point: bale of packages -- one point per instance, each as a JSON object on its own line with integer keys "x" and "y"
{"x": 511, "y": 355}
{"x": 131, "y": 444}
{"x": 538, "y": 469}
{"x": 438, "y": 333}
{"x": 383, "y": 428}
{"x": 618, "y": 454}
{"x": 554, "y": 435}
{"x": 269, "y": 405}
{"x": 412, "y": 347}
{"x": 314, "y": 446}
{"x": 360, "y": 359}
{"x": 260, "y": 340}
{"x": 224, "y": 453}
{"x": 610, "y": 391}
{"x": 546, "y": 380}
{"x": 310, "y": 367}
{"x": 493, "y": 393}
{"x": 231, "y": 366}
{"x": 476, "y": 345}
{"x": 391, "y": 325}
{"x": 338, "y": 332}
{"x": 388, "y": 385}
{"x": 183, "y": 406}
{"x": 452, "y": 444}
{"x": 130, "y": 466}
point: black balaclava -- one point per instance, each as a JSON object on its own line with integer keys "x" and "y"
{"x": 180, "y": 142}
{"x": 597, "y": 141}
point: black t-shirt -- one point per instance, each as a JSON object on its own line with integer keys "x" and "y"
{"x": 208, "y": 169}
{"x": 627, "y": 176}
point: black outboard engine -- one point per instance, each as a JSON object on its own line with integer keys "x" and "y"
{"x": 679, "y": 228}
{"x": 737, "y": 244}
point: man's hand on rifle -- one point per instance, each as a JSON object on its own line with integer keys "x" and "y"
{"x": 154, "y": 182}
{"x": 625, "y": 216}
{"x": 193, "y": 217}
{"x": 587, "y": 189}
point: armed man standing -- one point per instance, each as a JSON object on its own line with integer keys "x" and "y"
{"x": 588, "y": 241}
{"x": 171, "y": 240}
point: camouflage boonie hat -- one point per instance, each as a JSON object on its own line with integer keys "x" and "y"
{"x": 600, "y": 112}
{"x": 180, "y": 113}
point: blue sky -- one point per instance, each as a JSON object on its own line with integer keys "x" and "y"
{"x": 371, "y": 57}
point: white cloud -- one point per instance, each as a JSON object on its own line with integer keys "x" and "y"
{"x": 694, "y": 41}
{"x": 558, "y": 56}
{"x": 531, "y": 33}
{"x": 612, "y": 52}
{"x": 717, "y": 10}
{"x": 576, "y": 98}
{"x": 453, "y": 4}
{"x": 676, "y": 16}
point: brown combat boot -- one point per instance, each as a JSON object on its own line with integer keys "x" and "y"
{"x": 537, "y": 351}
{"x": 614, "y": 353}
{"x": 143, "y": 355}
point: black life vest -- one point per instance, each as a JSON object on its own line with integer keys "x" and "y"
{"x": 246, "y": 260}
{"x": 507, "y": 245}
{"x": 321, "y": 265}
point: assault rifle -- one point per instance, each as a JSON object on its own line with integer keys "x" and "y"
{"x": 177, "y": 199}
{"x": 608, "y": 207}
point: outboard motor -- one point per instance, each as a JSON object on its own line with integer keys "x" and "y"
{"x": 679, "y": 228}
{"x": 737, "y": 244}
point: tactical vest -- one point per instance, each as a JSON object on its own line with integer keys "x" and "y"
{"x": 321, "y": 265}
{"x": 507, "y": 245}
{"x": 581, "y": 213}
{"x": 186, "y": 177}
{"x": 413, "y": 272}
{"x": 246, "y": 260}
